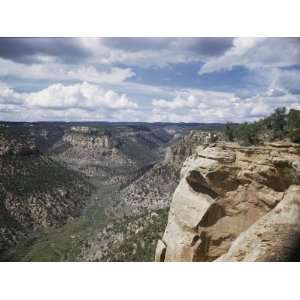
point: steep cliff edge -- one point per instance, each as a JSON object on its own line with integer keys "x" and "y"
{"x": 232, "y": 204}
{"x": 142, "y": 206}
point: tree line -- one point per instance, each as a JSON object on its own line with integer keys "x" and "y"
{"x": 279, "y": 125}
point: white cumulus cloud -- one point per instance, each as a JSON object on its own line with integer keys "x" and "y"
{"x": 9, "y": 96}
{"x": 212, "y": 106}
{"x": 82, "y": 101}
{"x": 83, "y": 95}
{"x": 63, "y": 72}
{"x": 255, "y": 53}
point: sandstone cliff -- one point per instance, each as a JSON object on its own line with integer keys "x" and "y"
{"x": 235, "y": 203}
{"x": 92, "y": 152}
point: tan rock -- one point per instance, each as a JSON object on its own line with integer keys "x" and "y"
{"x": 274, "y": 237}
{"x": 160, "y": 251}
{"x": 224, "y": 190}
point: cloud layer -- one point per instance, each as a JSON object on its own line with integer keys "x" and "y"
{"x": 69, "y": 102}
{"x": 254, "y": 53}
{"x": 208, "y": 106}
{"x": 57, "y": 72}
{"x": 147, "y": 79}
{"x": 87, "y": 101}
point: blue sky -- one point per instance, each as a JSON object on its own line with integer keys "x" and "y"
{"x": 147, "y": 79}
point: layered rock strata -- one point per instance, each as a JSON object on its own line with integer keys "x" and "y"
{"x": 232, "y": 203}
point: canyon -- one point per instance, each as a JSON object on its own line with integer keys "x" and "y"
{"x": 62, "y": 186}
{"x": 145, "y": 192}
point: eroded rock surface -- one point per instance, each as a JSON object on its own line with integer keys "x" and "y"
{"x": 274, "y": 237}
{"x": 230, "y": 193}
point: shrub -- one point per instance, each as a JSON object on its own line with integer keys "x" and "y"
{"x": 275, "y": 126}
{"x": 294, "y": 125}
{"x": 229, "y": 132}
{"x": 278, "y": 122}
{"x": 247, "y": 134}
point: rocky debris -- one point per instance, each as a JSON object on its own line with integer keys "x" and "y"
{"x": 224, "y": 190}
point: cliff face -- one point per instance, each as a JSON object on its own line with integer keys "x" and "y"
{"x": 92, "y": 152}
{"x": 232, "y": 204}
{"x": 187, "y": 144}
{"x": 112, "y": 155}
{"x": 86, "y": 139}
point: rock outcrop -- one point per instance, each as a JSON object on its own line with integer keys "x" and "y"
{"x": 231, "y": 204}
{"x": 89, "y": 138}
{"x": 186, "y": 145}
{"x": 90, "y": 151}
{"x": 274, "y": 237}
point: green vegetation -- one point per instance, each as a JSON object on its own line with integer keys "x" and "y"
{"x": 26, "y": 172}
{"x": 279, "y": 125}
{"x": 277, "y": 122}
{"x": 18, "y": 134}
{"x": 54, "y": 244}
{"x": 66, "y": 242}
{"x": 38, "y": 174}
{"x": 246, "y": 133}
{"x": 294, "y": 125}
{"x": 229, "y": 131}
{"x": 140, "y": 237}
{"x": 138, "y": 152}
{"x": 27, "y": 175}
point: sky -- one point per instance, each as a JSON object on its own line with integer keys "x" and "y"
{"x": 147, "y": 79}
